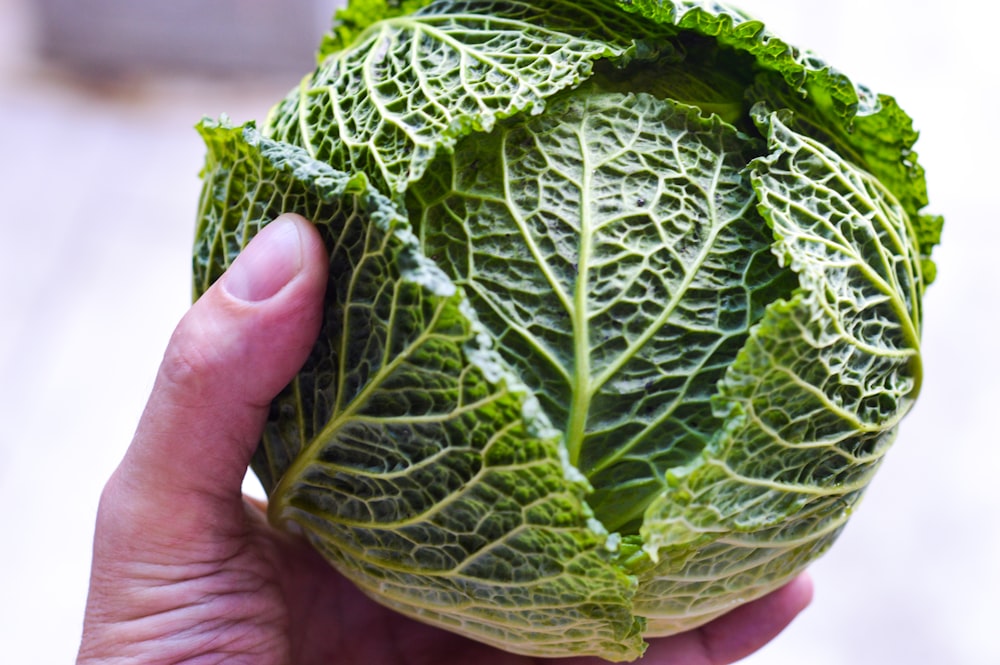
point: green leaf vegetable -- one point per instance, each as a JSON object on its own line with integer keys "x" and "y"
{"x": 624, "y": 309}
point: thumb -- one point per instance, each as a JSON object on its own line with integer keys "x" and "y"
{"x": 231, "y": 354}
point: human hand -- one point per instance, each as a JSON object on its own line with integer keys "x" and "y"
{"x": 186, "y": 569}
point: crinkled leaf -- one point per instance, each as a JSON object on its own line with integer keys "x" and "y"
{"x": 411, "y": 85}
{"x": 404, "y": 449}
{"x": 612, "y": 247}
{"x": 812, "y": 402}
{"x": 730, "y": 27}
{"x": 880, "y": 143}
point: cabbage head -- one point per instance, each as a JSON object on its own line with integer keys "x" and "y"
{"x": 624, "y": 309}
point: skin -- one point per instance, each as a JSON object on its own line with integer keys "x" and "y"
{"x": 187, "y": 570}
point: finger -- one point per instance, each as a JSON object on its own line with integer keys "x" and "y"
{"x": 231, "y": 354}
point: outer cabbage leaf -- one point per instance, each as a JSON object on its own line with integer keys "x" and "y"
{"x": 881, "y": 143}
{"x": 410, "y": 85}
{"x": 404, "y": 449}
{"x": 811, "y": 404}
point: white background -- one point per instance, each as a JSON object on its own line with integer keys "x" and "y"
{"x": 98, "y": 186}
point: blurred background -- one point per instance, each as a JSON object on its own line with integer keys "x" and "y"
{"x": 99, "y": 181}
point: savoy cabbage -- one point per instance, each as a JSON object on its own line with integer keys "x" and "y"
{"x": 624, "y": 309}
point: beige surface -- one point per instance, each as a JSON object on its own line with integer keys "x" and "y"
{"x": 99, "y": 185}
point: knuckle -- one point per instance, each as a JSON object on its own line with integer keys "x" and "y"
{"x": 191, "y": 365}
